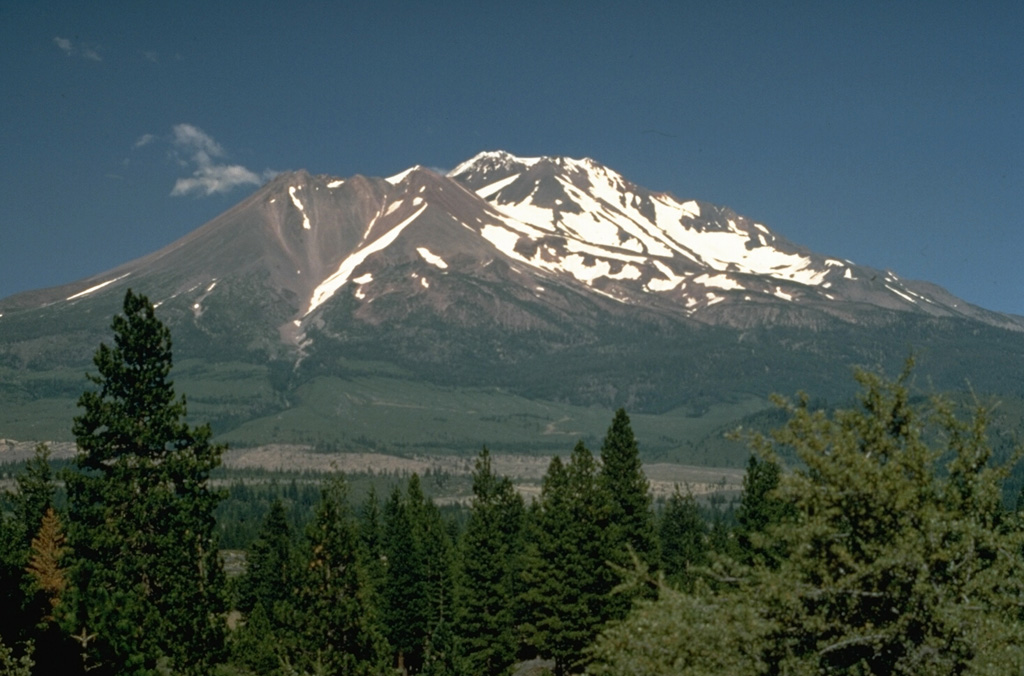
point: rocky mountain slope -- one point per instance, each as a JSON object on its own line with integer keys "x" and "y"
{"x": 550, "y": 277}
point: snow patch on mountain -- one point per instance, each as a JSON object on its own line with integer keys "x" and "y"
{"x": 99, "y": 286}
{"x": 298, "y": 205}
{"x": 401, "y": 176}
{"x": 492, "y": 188}
{"x": 669, "y": 280}
{"x": 606, "y": 217}
{"x": 431, "y": 258}
{"x": 494, "y": 159}
{"x": 329, "y": 286}
{"x": 719, "y": 282}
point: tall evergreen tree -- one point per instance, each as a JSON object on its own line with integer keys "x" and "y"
{"x": 271, "y": 567}
{"x": 29, "y": 504}
{"x": 490, "y": 563}
{"x": 147, "y": 583}
{"x": 437, "y": 551}
{"x": 266, "y": 595}
{"x": 760, "y": 509}
{"x": 371, "y": 537}
{"x": 14, "y": 625}
{"x": 404, "y": 598}
{"x": 683, "y": 536}
{"x": 256, "y": 644}
{"x": 631, "y": 528}
{"x": 34, "y": 495}
{"x": 566, "y": 574}
{"x": 418, "y": 588}
{"x": 900, "y": 559}
{"x": 339, "y": 633}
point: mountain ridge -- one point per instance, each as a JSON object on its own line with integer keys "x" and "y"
{"x": 572, "y": 221}
{"x": 548, "y": 279}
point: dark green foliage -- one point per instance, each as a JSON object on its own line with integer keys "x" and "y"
{"x": 631, "y": 529}
{"x": 256, "y": 646}
{"x": 147, "y": 583}
{"x": 371, "y": 538}
{"x": 416, "y": 598}
{"x": 895, "y": 566}
{"x": 684, "y": 634}
{"x": 898, "y": 558}
{"x": 405, "y": 606}
{"x": 489, "y": 573}
{"x": 33, "y": 575}
{"x": 434, "y": 541}
{"x": 28, "y": 504}
{"x": 567, "y": 582}
{"x": 241, "y": 514}
{"x": 271, "y": 567}
{"x": 759, "y": 510}
{"x": 335, "y": 623}
{"x": 441, "y": 655}
{"x": 683, "y": 535}
{"x": 14, "y": 626}
{"x": 35, "y": 493}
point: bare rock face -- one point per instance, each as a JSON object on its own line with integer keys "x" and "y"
{"x": 500, "y": 271}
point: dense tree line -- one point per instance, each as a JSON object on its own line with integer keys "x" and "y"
{"x": 885, "y": 550}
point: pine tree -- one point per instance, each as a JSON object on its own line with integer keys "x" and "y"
{"x": 35, "y": 490}
{"x": 147, "y": 583}
{"x": 371, "y": 537}
{"x": 256, "y": 645}
{"x": 45, "y": 563}
{"x": 489, "y": 572}
{"x": 29, "y": 504}
{"x": 437, "y": 550}
{"x": 896, "y": 564}
{"x": 683, "y": 536}
{"x": 339, "y": 627}
{"x": 15, "y": 626}
{"x": 567, "y": 578}
{"x": 404, "y": 598}
{"x": 418, "y": 586}
{"x": 631, "y": 529}
{"x": 271, "y": 567}
{"x": 759, "y": 510}
{"x": 899, "y": 558}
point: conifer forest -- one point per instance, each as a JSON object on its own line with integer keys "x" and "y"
{"x": 873, "y": 539}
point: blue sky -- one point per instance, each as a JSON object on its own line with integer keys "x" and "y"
{"x": 888, "y": 133}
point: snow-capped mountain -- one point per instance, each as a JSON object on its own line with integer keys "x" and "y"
{"x": 553, "y": 221}
{"x": 552, "y": 277}
{"x": 578, "y": 218}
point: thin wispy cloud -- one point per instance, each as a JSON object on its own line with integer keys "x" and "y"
{"x": 71, "y": 49}
{"x": 198, "y": 150}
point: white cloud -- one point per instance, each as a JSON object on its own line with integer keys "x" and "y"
{"x": 144, "y": 140}
{"x": 64, "y": 44}
{"x": 71, "y": 49}
{"x": 209, "y": 176}
{"x": 212, "y": 179}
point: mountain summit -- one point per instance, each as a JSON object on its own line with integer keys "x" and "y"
{"x": 302, "y": 241}
{"x": 552, "y": 277}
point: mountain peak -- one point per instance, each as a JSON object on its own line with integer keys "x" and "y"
{"x": 492, "y": 160}
{"x": 553, "y": 220}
